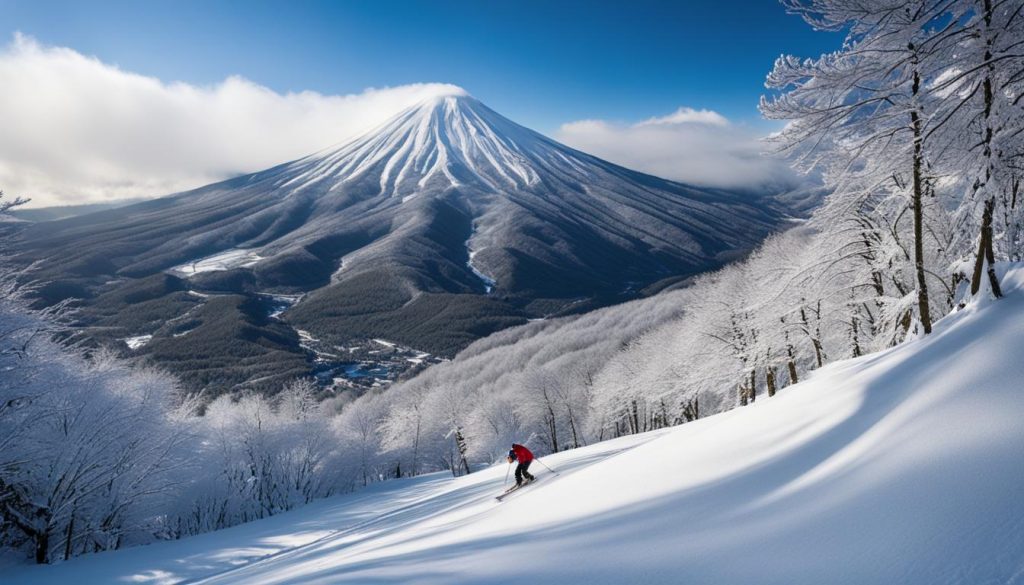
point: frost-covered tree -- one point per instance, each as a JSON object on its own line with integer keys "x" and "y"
{"x": 266, "y": 455}
{"x": 306, "y": 460}
{"x": 864, "y": 115}
{"x": 359, "y": 430}
{"x": 982, "y": 125}
{"x": 91, "y": 448}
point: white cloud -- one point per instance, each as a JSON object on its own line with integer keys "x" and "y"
{"x": 699, "y": 147}
{"x": 686, "y": 115}
{"x": 78, "y": 130}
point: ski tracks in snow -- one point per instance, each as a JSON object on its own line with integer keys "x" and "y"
{"x": 448, "y": 490}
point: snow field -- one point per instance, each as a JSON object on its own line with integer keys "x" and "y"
{"x": 226, "y": 260}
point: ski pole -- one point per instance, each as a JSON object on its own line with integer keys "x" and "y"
{"x": 507, "y": 469}
{"x": 546, "y": 467}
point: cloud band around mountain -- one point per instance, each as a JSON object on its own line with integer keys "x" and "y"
{"x": 700, "y": 147}
{"x": 78, "y": 130}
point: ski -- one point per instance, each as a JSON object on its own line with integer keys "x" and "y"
{"x": 513, "y": 489}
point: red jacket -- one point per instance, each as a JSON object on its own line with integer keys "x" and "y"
{"x": 523, "y": 455}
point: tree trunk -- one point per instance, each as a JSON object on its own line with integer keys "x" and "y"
{"x": 993, "y": 280}
{"x": 636, "y": 417}
{"x": 552, "y": 421}
{"x": 791, "y": 362}
{"x": 985, "y": 249}
{"x": 416, "y": 447}
{"x": 691, "y": 410}
{"x": 918, "y": 197}
{"x": 769, "y": 378}
{"x": 553, "y": 430}
{"x": 818, "y": 357}
{"x": 986, "y": 254}
{"x": 68, "y": 537}
{"x": 854, "y": 329}
{"x": 460, "y": 443}
{"x": 42, "y": 543}
{"x": 572, "y": 427}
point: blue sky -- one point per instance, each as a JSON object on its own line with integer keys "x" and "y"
{"x": 125, "y": 99}
{"x": 540, "y": 63}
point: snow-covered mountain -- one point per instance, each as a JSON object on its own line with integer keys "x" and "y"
{"x": 897, "y": 467}
{"x": 446, "y": 223}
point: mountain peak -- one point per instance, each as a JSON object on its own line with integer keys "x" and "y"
{"x": 445, "y": 91}
{"x": 449, "y": 139}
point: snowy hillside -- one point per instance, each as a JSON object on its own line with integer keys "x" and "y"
{"x": 898, "y": 467}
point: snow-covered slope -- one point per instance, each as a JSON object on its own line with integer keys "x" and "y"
{"x": 899, "y": 467}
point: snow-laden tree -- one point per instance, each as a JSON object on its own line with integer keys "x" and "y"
{"x": 307, "y": 462}
{"x": 496, "y": 421}
{"x": 91, "y": 451}
{"x": 981, "y": 130}
{"x": 358, "y": 429}
{"x": 865, "y": 115}
{"x": 405, "y": 430}
{"x": 449, "y": 410}
{"x": 264, "y": 455}
{"x": 96, "y": 453}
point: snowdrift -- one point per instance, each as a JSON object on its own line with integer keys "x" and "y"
{"x": 905, "y": 466}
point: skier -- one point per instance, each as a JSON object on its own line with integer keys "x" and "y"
{"x": 525, "y": 457}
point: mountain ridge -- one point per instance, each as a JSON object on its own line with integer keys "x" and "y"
{"x": 440, "y": 226}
